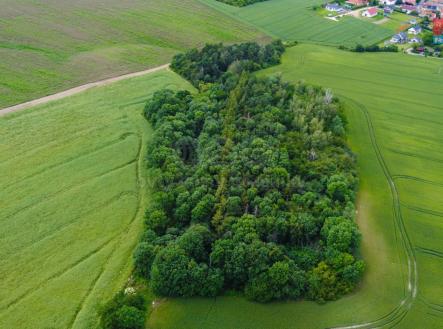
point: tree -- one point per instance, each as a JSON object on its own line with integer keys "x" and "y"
{"x": 129, "y": 317}
{"x": 124, "y": 311}
{"x": 144, "y": 257}
{"x": 196, "y": 242}
{"x": 340, "y": 233}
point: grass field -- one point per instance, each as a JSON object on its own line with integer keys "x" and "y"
{"x": 54, "y": 45}
{"x": 73, "y": 195}
{"x": 398, "y": 22}
{"x": 395, "y": 110}
{"x": 296, "y": 20}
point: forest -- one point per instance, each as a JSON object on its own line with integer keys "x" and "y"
{"x": 253, "y": 184}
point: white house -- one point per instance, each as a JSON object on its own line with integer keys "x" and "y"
{"x": 416, "y": 40}
{"x": 370, "y": 12}
{"x": 415, "y": 30}
{"x": 399, "y": 38}
{"x": 334, "y": 7}
{"x": 387, "y": 2}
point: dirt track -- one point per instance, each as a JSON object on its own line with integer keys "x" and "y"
{"x": 76, "y": 90}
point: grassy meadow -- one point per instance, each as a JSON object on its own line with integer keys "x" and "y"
{"x": 394, "y": 106}
{"x": 72, "y": 200}
{"x": 296, "y": 20}
{"x": 53, "y": 45}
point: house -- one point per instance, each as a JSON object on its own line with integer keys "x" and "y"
{"x": 399, "y": 38}
{"x": 357, "y": 3}
{"x": 427, "y": 13}
{"x": 413, "y": 22}
{"x": 416, "y": 40}
{"x": 387, "y": 2}
{"x": 408, "y": 8}
{"x": 333, "y": 7}
{"x": 370, "y": 12}
{"x": 388, "y": 11}
{"x": 410, "y": 2}
{"x": 415, "y": 30}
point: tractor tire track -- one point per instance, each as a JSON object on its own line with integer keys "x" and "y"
{"x": 93, "y": 151}
{"x": 413, "y": 155}
{"x": 430, "y": 252}
{"x": 138, "y": 211}
{"x": 394, "y": 317}
{"x": 73, "y": 222}
{"x": 83, "y": 133}
{"x": 418, "y": 179}
{"x": 56, "y": 275}
{"x": 56, "y": 194}
{"x": 423, "y": 210}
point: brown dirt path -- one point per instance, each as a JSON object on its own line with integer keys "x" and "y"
{"x": 76, "y": 90}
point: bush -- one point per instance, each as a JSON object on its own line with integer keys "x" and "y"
{"x": 124, "y": 312}
{"x": 129, "y": 317}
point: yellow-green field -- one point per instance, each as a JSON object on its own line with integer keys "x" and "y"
{"x": 48, "y": 46}
{"x": 394, "y": 105}
{"x": 73, "y": 196}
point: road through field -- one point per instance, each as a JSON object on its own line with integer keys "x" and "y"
{"x": 76, "y": 90}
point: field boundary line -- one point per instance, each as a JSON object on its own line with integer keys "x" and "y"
{"x": 78, "y": 89}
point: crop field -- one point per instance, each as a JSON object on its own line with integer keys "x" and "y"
{"x": 296, "y": 20}
{"x": 394, "y": 106}
{"x": 53, "y": 45}
{"x": 73, "y": 195}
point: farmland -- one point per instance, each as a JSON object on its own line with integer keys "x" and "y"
{"x": 51, "y": 46}
{"x": 73, "y": 195}
{"x": 395, "y": 115}
{"x": 296, "y": 20}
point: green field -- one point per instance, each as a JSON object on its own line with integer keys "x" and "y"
{"x": 398, "y": 22}
{"x": 394, "y": 106}
{"x": 73, "y": 195}
{"x": 53, "y": 45}
{"x": 296, "y": 20}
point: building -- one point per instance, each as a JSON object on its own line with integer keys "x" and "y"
{"x": 357, "y": 3}
{"x": 410, "y": 2}
{"x": 416, "y": 40}
{"x": 399, "y": 38}
{"x": 387, "y": 2}
{"x": 388, "y": 11}
{"x": 370, "y": 12}
{"x": 415, "y": 30}
{"x": 333, "y": 7}
{"x": 408, "y": 8}
{"x": 438, "y": 31}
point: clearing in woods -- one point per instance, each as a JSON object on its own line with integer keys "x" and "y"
{"x": 296, "y": 20}
{"x": 395, "y": 117}
{"x": 72, "y": 200}
{"x": 48, "y": 46}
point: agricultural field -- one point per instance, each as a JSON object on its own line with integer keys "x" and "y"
{"x": 296, "y": 20}
{"x": 53, "y": 45}
{"x": 394, "y": 107}
{"x": 72, "y": 201}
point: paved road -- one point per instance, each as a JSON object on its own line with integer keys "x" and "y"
{"x": 76, "y": 90}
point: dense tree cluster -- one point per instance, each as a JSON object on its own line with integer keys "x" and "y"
{"x": 240, "y": 3}
{"x": 254, "y": 191}
{"x": 210, "y": 63}
{"x": 124, "y": 311}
